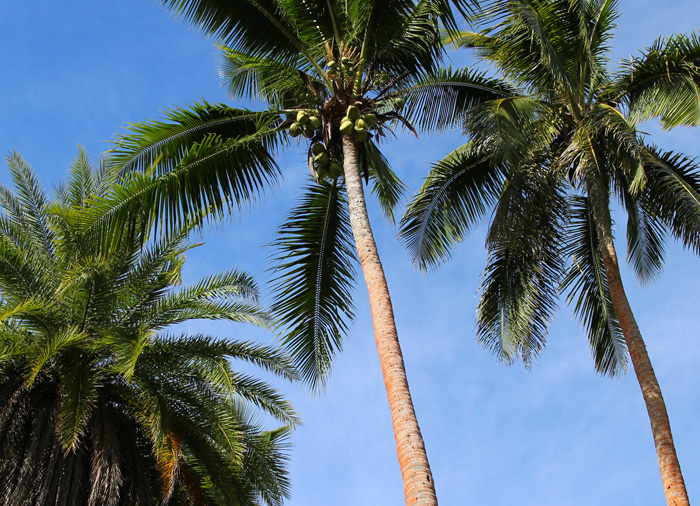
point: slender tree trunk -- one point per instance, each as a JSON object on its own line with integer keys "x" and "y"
{"x": 671, "y": 476}
{"x": 413, "y": 459}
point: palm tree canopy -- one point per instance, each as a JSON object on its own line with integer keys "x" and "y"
{"x": 100, "y": 403}
{"x": 550, "y": 129}
{"x": 320, "y": 58}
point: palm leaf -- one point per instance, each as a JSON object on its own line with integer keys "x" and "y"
{"x": 520, "y": 287}
{"x": 586, "y": 284}
{"x": 313, "y": 280}
{"x": 456, "y": 194}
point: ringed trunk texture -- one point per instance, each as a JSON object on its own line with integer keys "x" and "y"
{"x": 671, "y": 476}
{"x": 413, "y": 459}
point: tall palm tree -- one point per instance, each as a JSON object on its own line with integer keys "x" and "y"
{"x": 551, "y": 142}
{"x": 99, "y": 403}
{"x": 327, "y": 71}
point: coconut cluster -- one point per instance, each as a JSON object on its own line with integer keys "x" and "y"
{"x": 357, "y": 124}
{"x": 345, "y": 66}
{"x": 324, "y": 165}
{"x": 306, "y": 123}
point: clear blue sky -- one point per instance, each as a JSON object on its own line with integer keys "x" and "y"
{"x": 76, "y": 71}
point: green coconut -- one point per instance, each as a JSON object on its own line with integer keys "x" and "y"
{"x": 295, "y": 130}
{"x": 322, "y": 159}
{"x": 398, "y": 103}
{"x": 335, "y": 170}
{"x": 331, "y": 72}
{"x": 302, "y": 117}
{"x": 347, "y": 126}
{"x": 308, "y": 131}
{"x": 370, "y": 119}
{"x": 317, "y": 148}
{"x": 321, "y": 173}
{"x": 360, "y": 125}
{"x": 353, "y": 113}
{"x": 332, "y": 64}
{"x": 345, "y": 60}
{"x": 315, "y": 121}
{"x": 360, "y": 135}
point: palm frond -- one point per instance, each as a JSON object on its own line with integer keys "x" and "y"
{"x": 663, "y": 82}
{"x": 586, "y": 286}
{"x": 456, "y": 194}
{"x": 313, "y": 272}
{"x": 386, "y": 185}
{"x": 520, "y": 287}
{"x": 443, "y": 99}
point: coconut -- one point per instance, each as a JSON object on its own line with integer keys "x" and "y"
{"x": 318, "y": 148}
{"x": 321, "y": 173}
{"x": 332, "y": 64}
{"x": 322, "y": 159}
{"x": 398, "y": 103}
{"x": 295, "y": 130}
{"x": 302, "y": 117}
{"x": 360, "y": 125}
{"x": 335, "y": 170}
{"x": 315, "y": 121}
{"x": 370, "y": 120}
{"x": 347, "y": 126}
{"x": 360, "y": 135}
{"x": 331, "y": 72}
{"x": 353, "y": 113}
{"x": 308, "y": 131}
{"x": 345, "y": 60}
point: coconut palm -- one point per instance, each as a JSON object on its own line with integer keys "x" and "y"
{"x": 552, "y": 141}
{"x": 100, "y": 403}
{"x": 327, "y": 72}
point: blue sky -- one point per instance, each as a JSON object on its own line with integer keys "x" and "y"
{"x": 76, "y": 71}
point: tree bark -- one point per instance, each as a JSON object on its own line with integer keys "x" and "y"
{"x": 671, "y": 476}
{"x": 413, "y": 459}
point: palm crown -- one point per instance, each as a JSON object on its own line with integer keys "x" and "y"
{"x": 552, "y": 141}
{"x": 100, "y": 404}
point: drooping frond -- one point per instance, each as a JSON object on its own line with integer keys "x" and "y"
{"x": 520, "y": 286}
{"x": 672, "y": 194}
{"x": 313, "y": 266}
{"x": 453, "y": 198}
{"x": 386, "y": 185}
{"x": 646, "y": 238}
{"x": 586, "y": 286}
{"x": 443, "y": 99}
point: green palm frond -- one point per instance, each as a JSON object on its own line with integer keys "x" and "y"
{"x": 213, "y": 175}
{"x": 672, "y": 194}
{"x": 453, "y": 198}
{"x": 512, "y": 128}
{"x": 313, "y": 268}
{"x": 27, "y": 208}
{"x": 646, "y": 237}
{"x": 277, "y": 83}
{"x": 520, "y": 286}
{"x": 386, "y": 185}
{"x": 443, "y": 99}
{"x": 586, "y": 286}
{"x": 258, "y": 28}
{"x": 663, "y": 82}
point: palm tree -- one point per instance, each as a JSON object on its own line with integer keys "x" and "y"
{"x": 551, "y": 141}
{"x": 100, "y": 404}
{"x": 328, "y": 72}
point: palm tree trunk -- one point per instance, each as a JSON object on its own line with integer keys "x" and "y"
{"x": 413, "y": 459}
{"x": 671, "y": 476}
